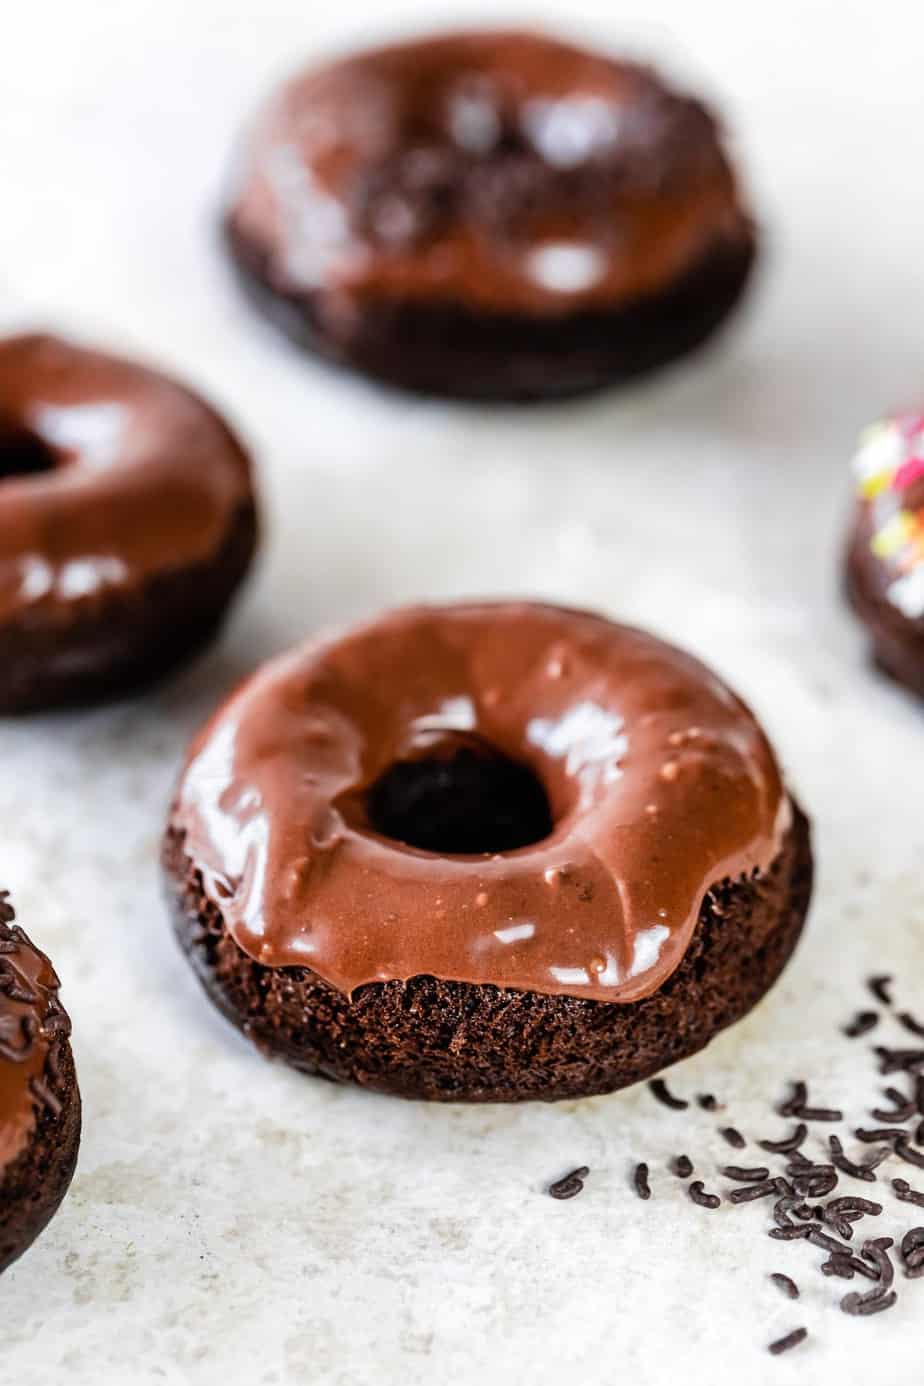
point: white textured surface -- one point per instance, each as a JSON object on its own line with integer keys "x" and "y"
{"x": 231, "y": 1221}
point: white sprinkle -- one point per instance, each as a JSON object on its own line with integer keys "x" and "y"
{"x": 907, "y": 593}
{"x": 566, "y": 267}
{"x": 570, "y": 131}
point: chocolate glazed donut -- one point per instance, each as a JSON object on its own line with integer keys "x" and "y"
{"x": 39, "y": 1098}
{"x": 127, "y": 520}
{"x": 485, "y": 853}
{"x": 885, "y": 559}
{"x": 490, "y": 215}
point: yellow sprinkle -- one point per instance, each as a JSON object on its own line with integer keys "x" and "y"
{"x": 893, "y": 537}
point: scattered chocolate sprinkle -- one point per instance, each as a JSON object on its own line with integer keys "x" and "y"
{"x": 913, "y": 1026}
{"x": 862, "y": 1207}
{"x": 820, "y": 1238}
{"x": 708, "y": 1102}
{"x": 847, "y": 1166}
{"x": 682, "y": 1166}
{"x": 570, "y": 1184}
{"x": 749, "y": 1192}
{"x": 788, "y": 1144}
{"x": 872, "y": 1303}
{"x": 880, "y": 987}
{"x": 641, "y": 1181}
{"x": 899, "y": 1060}
{"x": 788, "y": 1286}
{"x": 733, "y": 1136}
{"x": 903, "y": 1108}
{"x": 919, "y": 1092}
{"x": 660, "y": 1090}
{"x": 796, "y": 1105}
{"x": 744, "y": 1176}
{"x": 700, "y": 1197}
{"x": 862, "y": 1023}
{"x": 792, "y": 1232}
{"x": 793, "y": 1339}
{"x": 905, "y": 1151}
{"x": 906, "y": 1193}
{"x": 884, "y": 1134}
{"x": 846, "y": 1265}
{"x": 913, "y": 1252}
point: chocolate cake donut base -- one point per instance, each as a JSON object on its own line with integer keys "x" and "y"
{"x": 451, "y": 1041}
{"x": 455, "y": 352}
{"x": 897, "y": 641}
{"x": 121, "y": 640}
{"x": 32, "y": 1187}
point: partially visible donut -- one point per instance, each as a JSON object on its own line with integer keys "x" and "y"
{"x": 885, "y": 559}
{"x": 485, "y": 853}
{"x": 39, "y": 1098}
{"x": 490, "y": 215}
{"x": 127, "y": 520}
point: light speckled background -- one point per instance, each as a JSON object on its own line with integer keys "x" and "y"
{"x": 231, "y": 1221}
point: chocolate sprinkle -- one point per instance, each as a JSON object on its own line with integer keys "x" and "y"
{"x": 733, "y": 1136}
{"x": 793, "y": 1339}
{"x": 913, "y": 1026}
{"x": 641, "y": 1181}
{"x": 660, "y": 1090}
{"x": 744, "y": 1176}
{"x": 873, "y": 1303}
{"x": 788, "y": 1286}
{"x": 879, "y": 986}
{"x": 788, "y": 1144}
{"x": 700, "y": 1197}
{"x": 682, "y": 1166}
{"x": 847, "y": 1166}
{"x": 903, "y": 1108}
{"x": 906, "y": 1193}
{"x": 884, "y": 1134}
{"x": 905, "y": 1151}
{"x": 797, "y": 1106}
{"x": 570, "y": 1184}
{"x": 862, "y": 1023}
{"x": 708, "y": 1102}
{"x": 750, "y": 1192}
{"x": 899, "y": 1060}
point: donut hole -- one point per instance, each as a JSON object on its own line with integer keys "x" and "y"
{"x": 463, "y": 797}
{"x": 22, "y": 452}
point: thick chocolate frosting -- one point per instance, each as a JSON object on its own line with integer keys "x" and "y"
{"x": 32, "y": 1025}
{"x": 509, "y": 172}
{"x": 109, "y": 473}
{"x": 659, "y": 780}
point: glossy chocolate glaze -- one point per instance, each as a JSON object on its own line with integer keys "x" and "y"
{"x": 140, "y": 475}
{"x": 659, "y": 779}
{"x": 32, "y": 1023}
{"x": 508, "y": 172}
